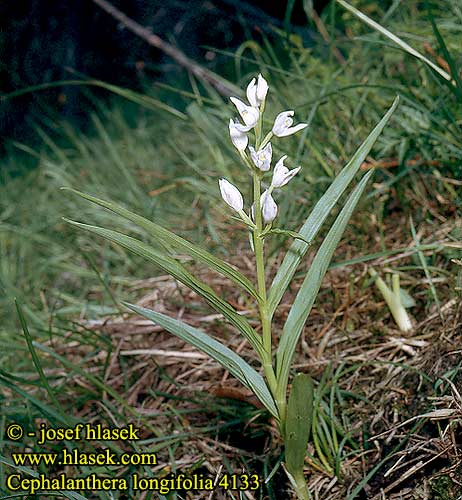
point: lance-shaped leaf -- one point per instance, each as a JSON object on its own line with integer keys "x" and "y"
{"x": 220, "y": 353}
{"x": 164, "y": 236}
{"x": 298, "y": 422}
{"x": 319, "y": 214}
{"x": 306, "y": 296}
{"x": 179, "y": 272}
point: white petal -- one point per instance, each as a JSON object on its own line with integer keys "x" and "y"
{"x": 249, "y": 114}
{"x": 282, "y": 174}
{"x": 241, "y": 128}
{"x": 292, "y": 173}
{"x": 238, "y": 136}
{"x": 262, "y": 89}
{"x": 269, "y": 209}
{"x": 292, "y": 130}
{"x": 282, "y": 121}
{"x": 252, "y": 93}
{"x": 280, "y": 171}
{"x": 253, "y": 155}
{"x": 268, "y": 150}
{"x": 262, "y": 157}
{"x": 231, "y": 195}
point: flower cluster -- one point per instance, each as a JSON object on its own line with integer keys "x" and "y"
{"x": 260, "y": 155}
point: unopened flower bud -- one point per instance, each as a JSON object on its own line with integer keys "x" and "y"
{"x": 231, "y": 195}
{"x": 269, "y": 209}
{"x": 256, "y": 91}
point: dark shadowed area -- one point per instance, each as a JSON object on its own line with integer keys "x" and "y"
{"x": 43, "y": 42}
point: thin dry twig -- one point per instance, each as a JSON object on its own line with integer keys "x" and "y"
{"x": 221, "y": 85}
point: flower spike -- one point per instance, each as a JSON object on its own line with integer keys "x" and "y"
{"x": 283, "y": 124}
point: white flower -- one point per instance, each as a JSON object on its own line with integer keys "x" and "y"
{"x": 281, "y": 174}
{"x": 231, "y": 195}
{"x": 283, "y": 124}
{"x": 262, "y": 157}
{"x": 256, "y": 91}
{"x": 269, "y": 209}
{"x": 238, "y": 135}
{"x": 262, "y": 88}
{"x": 249, "y": 114}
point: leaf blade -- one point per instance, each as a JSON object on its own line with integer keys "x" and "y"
{"x": 220, "y": 353}
{"x": 160, "y": 233}
{"x": 174, "y": 268}
{"x": 306, "y": 296}
{"x": 319, "y": 214}
{"x": 298, "y": 422}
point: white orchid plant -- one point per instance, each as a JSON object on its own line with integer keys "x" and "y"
{"x": 292, "y": 412}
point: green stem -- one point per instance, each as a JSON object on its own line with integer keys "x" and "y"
{"x": 393, "y": 299}
{"x": 261, "y": 287}
{"x": 258, "y": 243}
{"x": 301, "y": 488}
{"x": 281, "y": 405}
{"x": 246, "y": 160}
{"x": 267, "y": 138}
{"x": 259, "y": 258}
{"x": 246, "y": 219}
{"x": 281, "y": 401}
{"x": 258, "y": 128}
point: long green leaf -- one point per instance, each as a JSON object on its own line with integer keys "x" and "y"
{"x": 174, "y": 268}
{"x": 319, "y": 214}
{"x": 298, "y": 422}
{"x": 220, "y": 353}
{"x": 164, "y": 235}
{"x": 306, "y": 296}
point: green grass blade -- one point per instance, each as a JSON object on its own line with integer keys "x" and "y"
{"x": 401, "y": 43}
{"x": 164, "y": 235}
{"x": 175, "y": 269}
{"x": 424, "y": 264}
{"x": 307, "y": 294}
{"x": 447, "y": 56}
{"x": 220, "y": 353}
{"x": 35, "y": 359}
{"x": 136, "y": 97}
{"x": 45, "y": 410}
{"x": 319, "y": 214}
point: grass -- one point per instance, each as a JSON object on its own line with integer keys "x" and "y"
{"x": 374, "y": 385}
